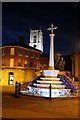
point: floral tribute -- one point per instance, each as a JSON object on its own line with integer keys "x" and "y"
{"x": 68, "y": 83}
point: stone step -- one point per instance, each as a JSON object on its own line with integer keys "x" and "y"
{"x": 50, "y": 79}
{"x": 47, "y": 85}
{"x": 49, "y": 82}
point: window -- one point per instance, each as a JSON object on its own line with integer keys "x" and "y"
{"x": 20, "y": 51}
{"x": 11, "y": 78}
{"x": 19, "y": 62}
{"x": 11, "y": 62}
{"x": 12, "y": 51}
{"x": 45, "y": 66}
{"x": 40, "y": 67}
{"x": 26, "y": 53}
{"x": 3, "y": 51}
{"x": 34, "y": 38}
{"x": 34, "y": 46}
{"x": 26, "y": 63}
{"x": 31, "y": 64}
{"x": 3, "y": 61}
{"x": 31, "y": 55}
{"x": 37, "y": 55}
{"x": 36, "y": 64}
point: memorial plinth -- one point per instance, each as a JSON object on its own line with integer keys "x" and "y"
{"x": 49, "y": 85}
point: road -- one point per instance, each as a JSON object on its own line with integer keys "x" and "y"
{"x": 38, "y": 107}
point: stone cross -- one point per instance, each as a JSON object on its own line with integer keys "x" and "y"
{"x": 52, "y": 28}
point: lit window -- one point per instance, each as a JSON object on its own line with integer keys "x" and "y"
{"x": 11, "y": 62}
{"x": 26, "y": 63}
{"x": 19, "y": 62}
{"x": 12, "y": 51}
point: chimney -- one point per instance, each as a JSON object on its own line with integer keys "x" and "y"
{"x": 21, "y": 40}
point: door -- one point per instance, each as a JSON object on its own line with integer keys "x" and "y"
{"x": 11, "y": 78}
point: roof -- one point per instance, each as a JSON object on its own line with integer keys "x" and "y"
{"x": 21, "y": 45}
{"x": 45, "y": 55}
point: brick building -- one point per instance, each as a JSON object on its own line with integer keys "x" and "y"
{"x": 18, "y": 63}
{"x": 76, "y": 65}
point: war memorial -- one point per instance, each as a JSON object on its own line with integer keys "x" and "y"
{"x": 49, "y": 83}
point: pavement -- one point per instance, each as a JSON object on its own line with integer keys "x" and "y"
{"x": 37, "y": 107}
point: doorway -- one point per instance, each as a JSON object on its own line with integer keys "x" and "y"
{"x": 11, "y": 78}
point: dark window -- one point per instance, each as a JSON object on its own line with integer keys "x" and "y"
{"x": 36, "y": 64}
{"x": 40, "y": 67}
{"x": 37, "y": 55}
{"x": 31, "y": 54}
{"x": 20, "y": 51}
{"x": 34, "y": 40}
{"x": 3, "y": 51}
{"x": 45, "y": 66}
{"x": 34, "y": 36}
{"x": 25, "y": 65}
{"x": 26, "y": 53}
{"x": 34, "y": 46}
{"x": 31, "y": 64}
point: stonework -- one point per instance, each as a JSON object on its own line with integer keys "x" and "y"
{"x": 36, "y": 39}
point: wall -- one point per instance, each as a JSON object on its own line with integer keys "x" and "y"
{"x": 19, "y": 75}
{"x": 76, "y": 65}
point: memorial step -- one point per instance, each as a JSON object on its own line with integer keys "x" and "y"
{"x": 50, "y": 79}
{"x": 49, "y": 82}
{"x": 47, "y": 85}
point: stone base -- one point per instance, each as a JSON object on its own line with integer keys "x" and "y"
{"x": 52, "y": 73}
{"x": 46, "y": 92}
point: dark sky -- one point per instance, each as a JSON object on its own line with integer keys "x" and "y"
{"x": 17, "y": 17}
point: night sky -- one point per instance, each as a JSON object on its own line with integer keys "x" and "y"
{"x": 17, "y": 18}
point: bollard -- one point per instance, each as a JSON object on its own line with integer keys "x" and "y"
{"x": 50, "y": 92}
{"x": 17, "y": 89}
